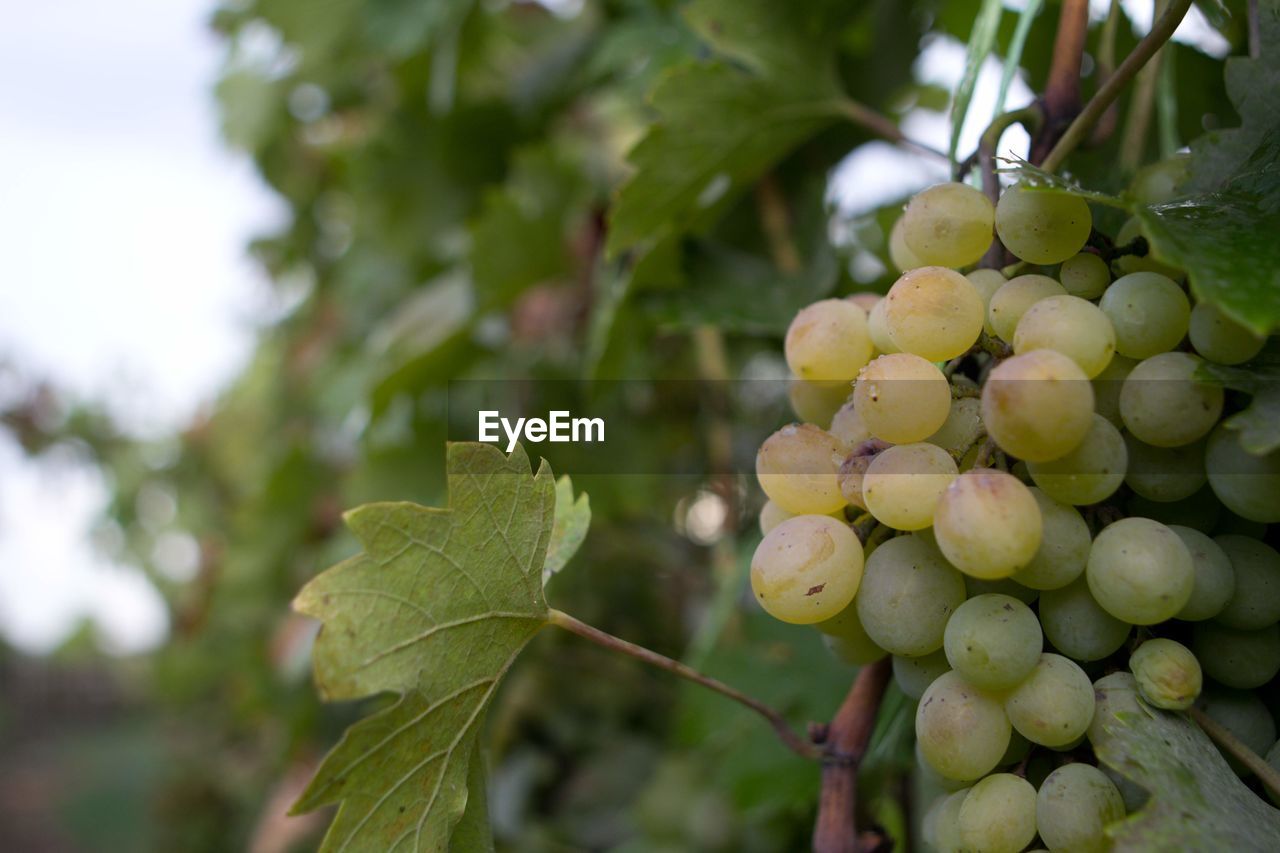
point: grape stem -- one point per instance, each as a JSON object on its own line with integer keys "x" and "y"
{"x": 1061, "y": 99}
{"x": 836, "y": 829}
{"x": 1161, "y": 31}
{"x": 785, "y": 733}
{"x": 1229, "y": 742}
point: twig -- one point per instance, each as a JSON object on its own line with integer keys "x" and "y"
{"x": 1061, "y": 99}
{"x": 785, "y": 733}
{"x": 1161, "y": 31}
{"x": 1246, "y": 756}
{"x": 836, "y": 830}
{"x": 775, "y": 221}
{"x": 883, "y": 126}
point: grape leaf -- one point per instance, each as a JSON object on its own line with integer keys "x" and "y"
{"x": 722, "y": 123}
{"x": 1258, "y": 423}
{"x": 1223, "y": 234}
{"x": 572, "y": 518}
{"x": 982, "y": 38}
{"x": 1197, "y": 802}
{"x": 437, "y": 607}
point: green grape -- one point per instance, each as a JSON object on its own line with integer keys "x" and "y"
{"x": 1159, "y": 182}
{"x": 974, "y": 587}
{"x": 1248, "y": 485}
{"x": 1129, "y": 264}
{"x": 907, "y": 594}
{"x": 994, "y": 641}
{"x": 771, "y": 515}
{"x": 878, "y": 328}
{"x": 1107, "y": 386}
{"x": 1215, "y": 580}
{"x": 1165, "y": 474}
{"x": 902, "y": 485}
{"x": 1085, "y": 275}
{"x": 797, "y": 468}
{"x": 1162, "y": 404}
{"x": 962, "y": 428}
{"x": 948, "y": 225}
{"x": 1167, "y": 673}
{"x": 1038, "y": 405}
{"x": 817, "y": 402}
{"x": 1219, "y": 338}
{"x": 1006, "y": 306}
{"x": 1236, "y": 658}
{"x": 1064, "y": 546}
{"x": 987, "y": 282}
{"x": 1090, "y": 472}
{"x": 1243, "y": 714}
{"x": 1074, "y": 806}
{"x": 1053, "y": 706}
{"x": 914, "y": 675}
{"x": 900, "y": 254}
{"x": 1139, "y": 571}
{"x": 998, "y": 814}
{"x": 1255, "y": 599}
{"x": 1114, "y": 695}
{"x": 1199, "y": 512}
{"x": 962, "y": 730}
{"x": 1070, "y": 325}
{"x": 1149, "y": 312}
{"x": 1042, "y": 226}
{"x": 1077, "y": 626}
{"x": 853, "y": 650}
{"x": 987, "y": 524}
{"x": 902, "y": 398}
{"x": 828, "y": 341}
{"x": 847, "y": 426}
{"x": 807, "y": 569}
{"x": 933, "y": 312}
{"x": 865, "y": 299}
{"x": 941, "y": 828}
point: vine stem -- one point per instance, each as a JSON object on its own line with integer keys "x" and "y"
{"x": 1061, "y": 99}
{"x": 1246, "y": 756}
{"x": 836, "y": 830}
{"x": 785, "y": 733}
{"x": 882, "y": 126}
{"x": 1161, "y": 31}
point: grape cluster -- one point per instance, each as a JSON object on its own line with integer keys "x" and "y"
{"x": 1027, "y": 489}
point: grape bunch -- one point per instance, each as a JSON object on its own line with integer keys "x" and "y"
{"x": 1015, "y": 484}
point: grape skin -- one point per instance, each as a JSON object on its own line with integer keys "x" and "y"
{"x": 878, "y": 328}
{"x": 941, "y": 827}
{"x": 816, "y": 402}
{"x": 1089, "y": 473}
{"x": 1243, "y": 659}
{"x": 998, "y": 814}
{"x": 1038, "y": 405}
{"x": 962, "y": 428}
{"x": 902, "y": 398}
{"x": 1073, "y": 807}
{"x": 1247, "y": 485}
{"x": 994, "y": 641}
{"x": 1114, "y": 695}
{"x": 1243, "y": 714}
{"x": 1254, "y": 601}
{"x": 1219, "y": 338}
{"x": 1070, "y": 325}
{"x": 988, "y": 524}
{"x": 847, "y": 639}
{"x": 1006, "y": 306}
{"x": 1064, "y": 546}
{"x": 797, "y": 468}
{"x": 962, "y": 730}
{"x": 1054, "y": 705}
{"x": 1042, "y": 226}
{"x": 902, "y": 485}
{"x": 907, "y": 594}
{"x": 1165, "y": 474}
{"x": 1107, "y": 386}
{"x": 807, "y": 569}
{"x": 933, "y": 312}
{"x": 986, "y": 282}
{"x": 847, "y": 426}
{"x": 914, "y": 675}
{"x": 1085, "y": 275}
{"x": 1163, "y": 405}
{"x": 1139, "y": 571}
{"x": 1149, "y": 312}
{"x": 828, "y": 341}
{"x": 1077, "y": 626}
{"x": 1215, "y": 579}
{"x": 1167, "y": 673}
{"x": 948, "y": 225}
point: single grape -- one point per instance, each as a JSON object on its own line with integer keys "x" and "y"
{"x": 1107, "y": 386}
{"x": 933, "y": 312}
{"x": 1074, "y": 806}
{"x": 828, "y": 341}
{"x": 853, "y": 471}
{"x": 1149, "y": 312}
{"x": 797, "y": 468}
{"x": 1054, "y": 705}
{"x": 1248, "y": 485}
{"x": 1043, "y": 226}
{"x": 1162, "y": 404}
{"x": 987, "y": 282}
{"x": 987, "y": 524}
{"x": 1165, "y": 474}
{"x": 962, "y": 428}
{"x": 1085, "y": 275}
{"x": 1064, "y": 546}
{"x": 1038, "y": 405}
{"x": 1215, "y": 580}
{"x": 994, "y": 641}
{"x": 941, "y": 827}
{"x": 902, "y": 485}
{"x": 1167, "y": 673}
{"x": 847, "y": 639}
{"x": 1160, "y": 182}
{"x": 962, "y": 730}
{"x": 907, "y": 594}
{"x": 1140, "y": 571}
{"x": 807, "y": 569}
{"x": 1003, "y": 586}
{"x": 900, "y": 254}
{"x": 1244, "y": 659}
{"x": 1255, "y": 598}
{"x": 865, "y": 299}
{"x": 1129, "y": 264}
{"x": 1077, "y": 626}
{"x": 1115, "y": 697}
{"x": 1006, "y": 306}
{"x": 1200, "y": 512}
{"x": 1090, "y": 472}
{"x": 998, "y": 814}
{"x": 902, "y": 398}
{"x": 1070, "y": 325}
{"x": 948, "y": 225}
{"x": 817, "y": 402}
{"x": 1243, "y": 714}
{"x": 847, "y": 426}
{"x": 914, "y": 675}
{"x": 1219, "y": 338}
{"x": 878, "y": 328}
{"x": 771, "y": 515}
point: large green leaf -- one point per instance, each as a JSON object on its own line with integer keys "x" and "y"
{"x": 1224, "y": 234}
{"x": 437, "y": 607}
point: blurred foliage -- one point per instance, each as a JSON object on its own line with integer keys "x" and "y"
{"x": 454, "y": 173}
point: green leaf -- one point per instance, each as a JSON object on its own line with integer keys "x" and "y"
{"x": 1197, "y": 802}
{"x": 1036, "y": 178}
{"x": 1018, "y": 43}
{"x": 1259, "y": 423}
{"x": 437, "y": 607}
{"x": 1215, "y": 12}
{"x": 981, "y": 40}
{"x": 572, "y": 518}
{"x": 1223, "y": 233}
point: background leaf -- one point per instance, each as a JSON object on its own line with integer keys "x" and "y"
{"x": 572, "y": 518}
{"x": 982, "y": 39}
